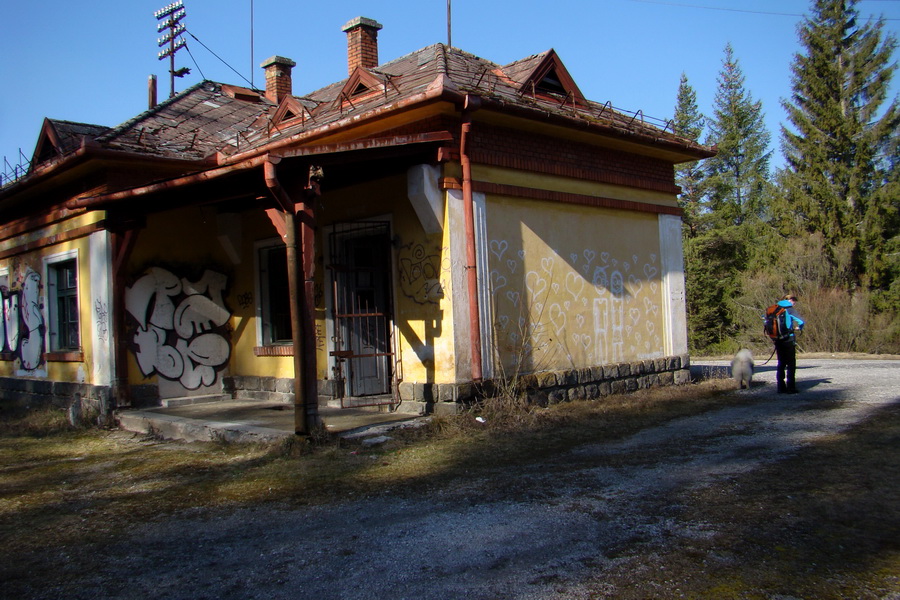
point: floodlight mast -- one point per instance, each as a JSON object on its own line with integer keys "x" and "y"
{"x": 170, "y": 19}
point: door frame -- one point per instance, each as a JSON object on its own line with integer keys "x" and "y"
{"x": 337, "y": 359}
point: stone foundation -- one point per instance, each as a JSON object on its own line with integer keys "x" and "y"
{"x": 552, "y": 387}
{"x": 271, "y": 389}
{"x": 80, "y": 399}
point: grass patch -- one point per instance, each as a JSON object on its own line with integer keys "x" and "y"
{"x": 823, "y": 524}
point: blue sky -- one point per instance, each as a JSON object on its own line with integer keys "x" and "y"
{"x": 89, "y": 62}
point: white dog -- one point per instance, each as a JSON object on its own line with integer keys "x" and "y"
{"x": 742, "y": 368}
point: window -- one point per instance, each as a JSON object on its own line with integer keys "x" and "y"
{"x": 63, "y": 305}
{"x": 274, "y": 295}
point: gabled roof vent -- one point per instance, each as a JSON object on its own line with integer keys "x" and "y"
{"x": 551, "y": 78}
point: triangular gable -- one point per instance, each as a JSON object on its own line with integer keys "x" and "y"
{"x": 58, "y": 138}
{"x": 360, "y": 83}
{"x": 48, "y": 145}
{"x": 288, "y": 109}
{"x": 551, "y": 78}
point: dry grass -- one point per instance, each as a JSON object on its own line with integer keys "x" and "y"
{"x": 53, "y": 475}
{"x": 834, "y": 505}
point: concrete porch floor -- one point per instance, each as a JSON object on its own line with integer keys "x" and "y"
{"x": 253, "y": 421}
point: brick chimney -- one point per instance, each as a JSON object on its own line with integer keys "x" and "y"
{"x": 278, "y": 77}
{"x": 362, "y": 43}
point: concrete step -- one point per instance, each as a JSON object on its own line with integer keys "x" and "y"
{"x": 188, "y": 400}
{"x": 195, "y": 430}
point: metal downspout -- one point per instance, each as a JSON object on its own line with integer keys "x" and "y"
{"x": 305, "y": 406}
{"x": 471, "y": 104}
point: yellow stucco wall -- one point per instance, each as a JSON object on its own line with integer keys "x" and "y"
{"x": 573, "y": 286}
{"x": 419, "y": 278}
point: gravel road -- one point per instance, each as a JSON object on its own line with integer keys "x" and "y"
{"x": 576, "y": 517}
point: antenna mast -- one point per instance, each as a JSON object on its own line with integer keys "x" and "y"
{"x": 449, "y": 42}
{"x": 170, "y": 18}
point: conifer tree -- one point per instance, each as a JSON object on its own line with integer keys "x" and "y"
{"x": 840, "y": 151}
{"x": 688, "y": 123}
{"x": 737, "y": 177}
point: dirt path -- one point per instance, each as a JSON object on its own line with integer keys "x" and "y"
{"x": 598, "y": 522}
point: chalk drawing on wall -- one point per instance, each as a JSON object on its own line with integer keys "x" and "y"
{"x": 421, "y": 273}
{"x": 591, "y": 308}
{"x": 180, "y": 326}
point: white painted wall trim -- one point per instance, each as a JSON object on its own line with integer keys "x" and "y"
{"x": 104, "y": 356}
{"x": 673, "y": 287}
{"x": 485, "y": 306}
{"x": 462, "y": 345}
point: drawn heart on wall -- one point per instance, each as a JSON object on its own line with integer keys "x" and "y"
{"x": 557, "y": 318}
{"x": 547, "y": 264}
{"x": 651, "y": 327}
{"x": 590, "y": 255}
{"x": 535, "y": 284}
{"x": 513, "y": 297}
{"x": 650, "y": 271}
{"x": 574, "y": 258}
{"x": 653, "y": 258}
{"x": 521, "y": 254}
{"x": 604, "y": 256}
{"x": 555, "y": 287}
{"x": 503, "y": 320}
{"x": 498, "y": 247}
{"x": 636, "y": 284}
{"x": 580, "y": 320}
{"x": 511, "y": 264}
{"x": 654, "y": 286}
{"x": 635, "y": 314}
{"x": 497, "y": 281}
{"x": 574, "y": 285}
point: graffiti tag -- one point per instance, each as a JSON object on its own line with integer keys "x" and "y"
{"x": 420, "y": 274}
{"x": 180, "y": 326}
{"x": 23, "y": 322}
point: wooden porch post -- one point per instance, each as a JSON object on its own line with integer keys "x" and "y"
{"x": 302, "y": 298}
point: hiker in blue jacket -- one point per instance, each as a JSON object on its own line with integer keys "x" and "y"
{"x": 786, "y": 349}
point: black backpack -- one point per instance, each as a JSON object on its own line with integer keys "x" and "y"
{"x": 775, "y": 323}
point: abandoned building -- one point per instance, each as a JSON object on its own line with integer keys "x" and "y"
{"x": 404, "y": 237}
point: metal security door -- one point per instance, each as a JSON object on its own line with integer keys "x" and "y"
{"x": 360, "y": 264}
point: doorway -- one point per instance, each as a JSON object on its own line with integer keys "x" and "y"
{"x": 360, "y": 264}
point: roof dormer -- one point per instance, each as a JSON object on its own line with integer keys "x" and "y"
{"x": 289, "y": 109}
{"x": 360, "y": 84}
{"x": 550, "y": 79}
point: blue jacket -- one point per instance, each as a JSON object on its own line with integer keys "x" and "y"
{"x": 792, "y": 320}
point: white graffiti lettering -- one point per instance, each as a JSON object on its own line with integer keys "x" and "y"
{"x": 180, "y": 326}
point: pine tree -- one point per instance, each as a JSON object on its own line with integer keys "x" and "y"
{"x": 841, "y": 178}
{"x": 738, "y": 176}
{"x": 688, "y": 123}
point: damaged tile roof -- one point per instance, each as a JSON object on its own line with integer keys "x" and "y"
{"x": 211, "y": 118}
{"x": 71, "y": 134}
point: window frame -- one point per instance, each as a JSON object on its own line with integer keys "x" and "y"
{"x": 55, "y": 349}
{"x": 265, "y": 329}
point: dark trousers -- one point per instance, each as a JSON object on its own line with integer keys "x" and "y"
{"x": 787, "y": 364}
